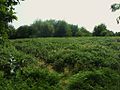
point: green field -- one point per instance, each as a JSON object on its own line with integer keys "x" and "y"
{"x": 85, "y": 63}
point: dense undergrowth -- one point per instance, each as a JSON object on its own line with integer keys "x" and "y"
{"x": 86, "y": 63}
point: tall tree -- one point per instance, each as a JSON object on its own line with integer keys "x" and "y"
{"x": 11, "y": 32}
{"x": 117, "y": 34}
{"x": 23, "y": 32}
{"x": 74, "y": 29}
{"x": 7, "y": 15}
{"x": 47, "y": 29}
{"x": 37, "y": 27}
{"x": 61, "y": 29}
{"x": 83, "y": 32}
{"x": 100, "y": 30}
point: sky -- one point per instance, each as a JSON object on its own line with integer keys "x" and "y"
{"x": 86, "y": 13}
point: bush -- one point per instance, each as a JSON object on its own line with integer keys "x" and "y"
{"x": 102, "y": 79}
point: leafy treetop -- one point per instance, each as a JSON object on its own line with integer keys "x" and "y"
{"x": 7, "y": 14}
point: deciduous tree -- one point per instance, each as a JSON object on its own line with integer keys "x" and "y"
{"x": 7, "y": 14}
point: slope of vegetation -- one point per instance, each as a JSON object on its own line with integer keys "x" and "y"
{"x": 86, "y": 63}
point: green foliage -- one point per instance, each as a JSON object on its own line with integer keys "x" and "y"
{"x": 23, "y": 32}
{"x": 74, "y": 30}
{"x": 102, "y": 79}
{"x": 54, "y": 28}
{"x": 7, "y": 15}
{"x": 50, "y": 28}
{"x": 11, "y": 32}
{"x": 114, "y": 8}
{"x": 73, "y": 53}
{"x": 117, "y": 33}
{"x": 11, "y": 60}
{"x": 83, "y": 32}
{"x": 32, "y": 78}
{"x": 86, "y": 63}
{"x": 62, "y": 29}
{"x": 19, "y": 70}
{"x": 101, "y": 30}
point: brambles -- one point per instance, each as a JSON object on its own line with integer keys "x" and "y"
{"x": 22, "y": 71}
{"x": 80, "y": 53}
{"x": 101, "y": 79}
{"x": 86, "y": 63}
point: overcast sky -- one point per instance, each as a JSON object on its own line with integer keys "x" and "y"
{"x": 87, "y": 13}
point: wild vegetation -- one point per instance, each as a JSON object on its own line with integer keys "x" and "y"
{"x": 85, "y": 63}
{"x": 76, "y": 63}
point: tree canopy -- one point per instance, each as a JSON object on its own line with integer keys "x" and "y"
{"x": 51, "y": 28}
{"x": 101, "y": 30}
{"x": 7, "y": 14}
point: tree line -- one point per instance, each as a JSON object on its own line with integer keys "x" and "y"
{"x": 48, "y": 28}
{"x": 54, "y": 28}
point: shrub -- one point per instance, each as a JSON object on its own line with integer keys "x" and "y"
{"x": 102, "y": 79}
